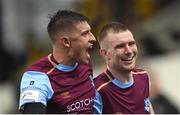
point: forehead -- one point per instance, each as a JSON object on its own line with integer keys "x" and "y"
{"x": 82, "y": 26}
{"x": 120, "y": 37}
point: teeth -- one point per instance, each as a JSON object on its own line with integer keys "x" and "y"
{"x": 128, "y": 59}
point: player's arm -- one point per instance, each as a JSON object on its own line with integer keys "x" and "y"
{"x": 98, "y": 106}
{"x": 34, "y": 108}
{"x": 35, "y": 91}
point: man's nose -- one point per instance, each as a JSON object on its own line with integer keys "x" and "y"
{"x": 128, "y": 49}
{"x": 92, "y": 38}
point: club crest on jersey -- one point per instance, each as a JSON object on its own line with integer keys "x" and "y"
{"x": 147, "y": 104}
{"x": 65, "y": 94}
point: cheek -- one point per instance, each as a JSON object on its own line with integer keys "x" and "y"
{"x": 115, "y": 57}
{"x": 117, "y": 54}
{"x": 135, "y": 49}
{"x": 76, "y": 51}
{"x": 77, "y": 47}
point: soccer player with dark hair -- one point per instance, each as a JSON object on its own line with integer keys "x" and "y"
{"x": 62, "y": 81}
{"x": 122, "y": 88}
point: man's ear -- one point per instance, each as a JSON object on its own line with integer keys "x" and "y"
{"x": 103, "y": 52}
{"x": 65, "y": 41}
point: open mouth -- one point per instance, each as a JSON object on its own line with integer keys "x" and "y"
{"x": 88, "y": 51}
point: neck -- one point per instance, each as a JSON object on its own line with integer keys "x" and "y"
{"x": 123, "y": 76}
{"x": 62, "y": 57}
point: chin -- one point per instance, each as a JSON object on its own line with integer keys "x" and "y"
{"x": 84, "y": 61}
{"x": 129, "y": 68}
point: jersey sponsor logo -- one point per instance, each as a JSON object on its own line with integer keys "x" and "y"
{"x": 82, "y": 104}
{"x": 30, "y": 95}
{"x": 147, "y": 104}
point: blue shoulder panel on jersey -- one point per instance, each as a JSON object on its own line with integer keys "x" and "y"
{"x": 98, "y": 106}
{"x": 122, "y": 85}
{"x": 35, "y": 87}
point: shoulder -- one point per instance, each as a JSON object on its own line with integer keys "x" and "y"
{"x": 101, "y": 80}
{"x": 35, "y": 87}
{"x": 139, "y": 71}
{"x": 42, "y": 65}
{"x": 140, "y": 74}
{"x": 35, "y": 83}
{"x": 85, "y": 67}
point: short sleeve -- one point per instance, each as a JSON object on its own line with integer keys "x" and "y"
{"x": 35, "y": 87}
{"x": 98, "y": 106}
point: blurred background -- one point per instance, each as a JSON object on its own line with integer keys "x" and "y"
{"x": 154, "y": 23}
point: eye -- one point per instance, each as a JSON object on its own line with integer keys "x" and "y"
{"x": 119, "y": 46}
{"x": 85, "y": 33}
{"x": 132, "y": 43}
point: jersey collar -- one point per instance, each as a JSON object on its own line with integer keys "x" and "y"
{"x": 117, "y": 82}
{"x": 62, "y": 67}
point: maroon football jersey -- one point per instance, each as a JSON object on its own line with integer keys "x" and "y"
{"x": 73, "y": 92}
{"x": 124, "y": 100}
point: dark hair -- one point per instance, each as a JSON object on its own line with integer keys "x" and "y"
{"x": 63, "y": 21}
{"x": 112, "y": 26}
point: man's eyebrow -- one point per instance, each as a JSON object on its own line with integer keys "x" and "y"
{"x": 85, "y": 31}
{"x": 119, "y": 45}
